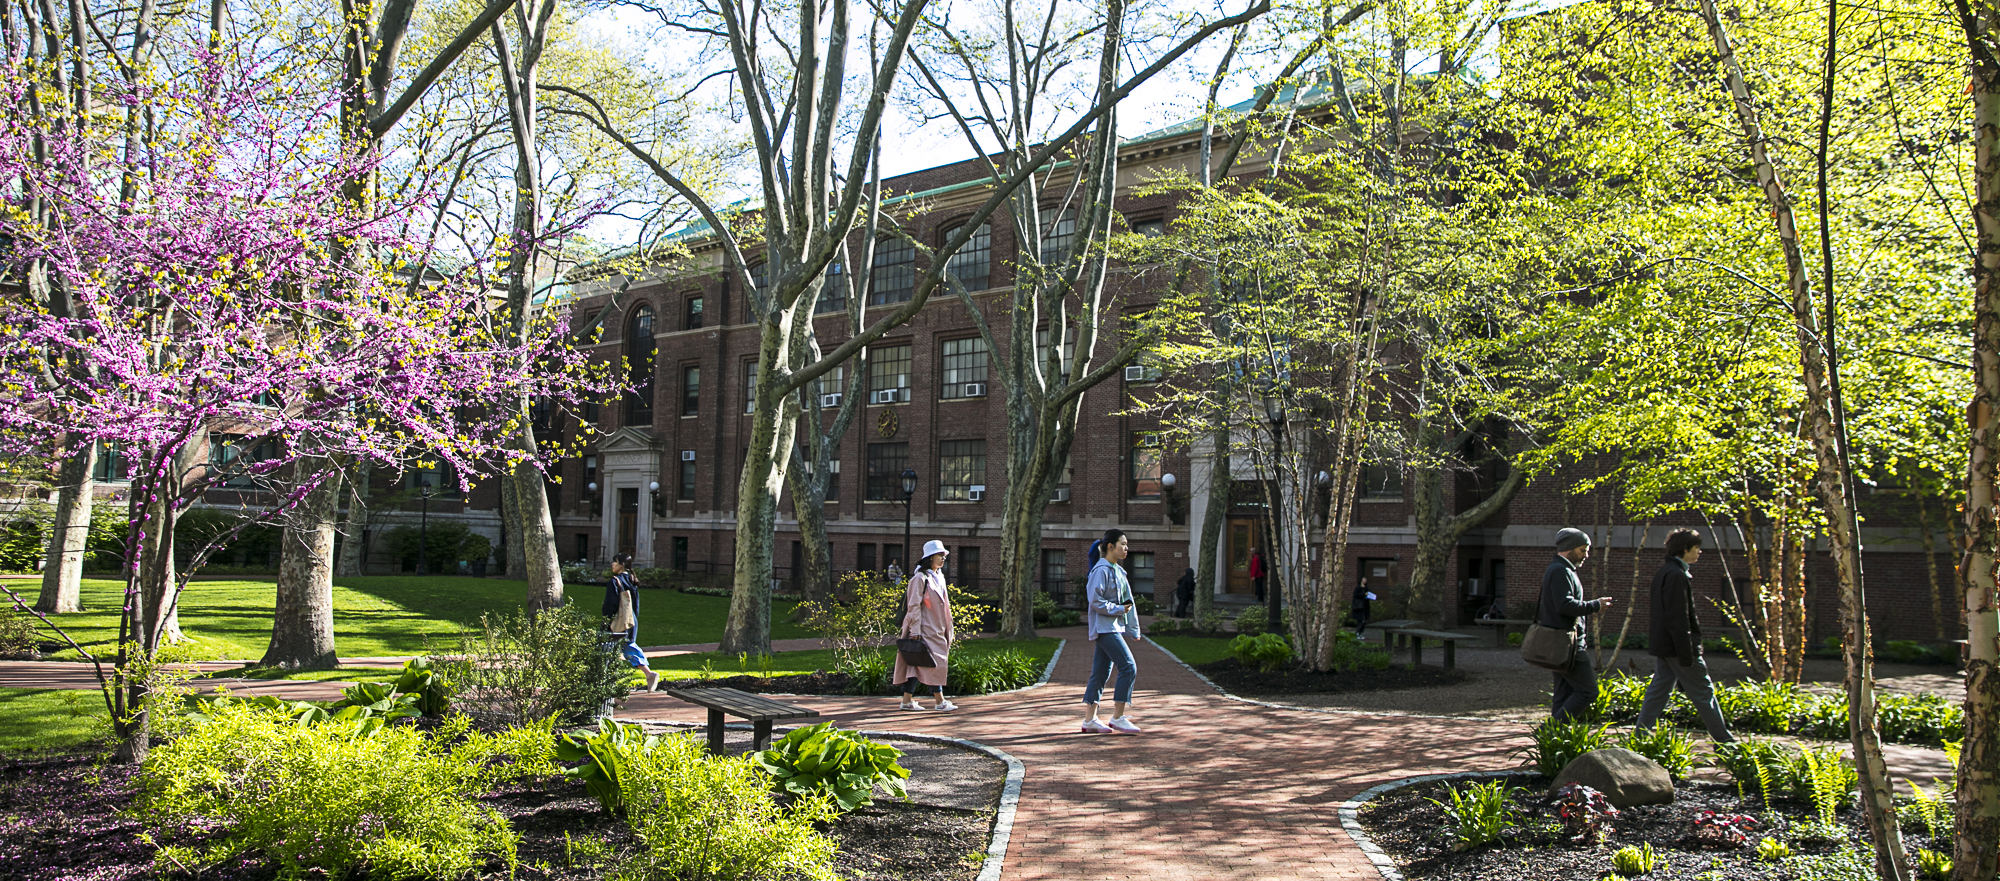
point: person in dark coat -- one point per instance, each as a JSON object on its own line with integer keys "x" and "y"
{"x": 1675, "y": 641}
{"x": 1184, "y": 594}
{"x": 1564, "y": 608}
{"x": 1363, "y": 600}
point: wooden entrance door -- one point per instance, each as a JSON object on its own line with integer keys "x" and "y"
{"x": 1242, "y": 535}
{"x": 628, "y": 519}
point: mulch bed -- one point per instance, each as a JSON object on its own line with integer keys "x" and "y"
{"x": 1235, "y": 678}
{"x": 1415, "y": 832}
{"x": 61, "y": 820}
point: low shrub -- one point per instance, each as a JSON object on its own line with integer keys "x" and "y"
{"x": 710, "y": 591}
{"x": 868, "y": 673}
{"x": 17, "y": 634}
{"x": 707, "y": 817}
{"x": 1909, "y": 651}
{"x": 657, "y": 579}
{"x": 440, "y": 544}
{"x": 1761, "y": 706}
{"x": 1350, "y": 653}
{"x": 1478, "y": 814}
{"x": 1251, "y": 619}
{"x": 1556, "y": 744}
{"x": 1671, "y": 749}
{"x": 1619, "y": 696}
{"x": 519, "y": 668}
{"x": 824, "y": 760}
{"x": 248, "y": 782}
{"x": 1065, "y": 618}
{"x": 1265, "y": 651}
{"x": 1632, "y": 861}
{"x": 1003, "y": 670}
{"x": 1145, "y": 605}
{"x": 1210, "y": 621}
{"x": 1919, "y": 718}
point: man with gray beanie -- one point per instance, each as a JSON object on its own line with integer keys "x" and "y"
{"x": 1563, "y": 608}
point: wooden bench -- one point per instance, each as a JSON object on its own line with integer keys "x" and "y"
{"x": 1417, "y": 637}
{"x": 761, "y": 711}
{"x": 1500, "y": 626}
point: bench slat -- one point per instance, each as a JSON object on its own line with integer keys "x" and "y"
{"x": 1435, "y": 634}
{"x": 740, "y": 703}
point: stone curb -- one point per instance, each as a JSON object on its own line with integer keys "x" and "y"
{"x": 1350, "y": 815}
{"x": 1010, "y": 794}
{"x": 1329, "y": 711}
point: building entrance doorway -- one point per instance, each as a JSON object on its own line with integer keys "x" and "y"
{"x": 628, "y": 520}
{"x": 1243, "y": 533}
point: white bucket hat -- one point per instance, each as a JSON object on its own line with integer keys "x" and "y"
{"x": 932, "y": 547}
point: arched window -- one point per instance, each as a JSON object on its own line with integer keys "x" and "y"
{"x": 639, "y": 363}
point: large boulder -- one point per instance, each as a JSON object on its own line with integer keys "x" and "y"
{"x": 1625, "y": 777}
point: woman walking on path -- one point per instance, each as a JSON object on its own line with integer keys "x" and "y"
{"x": 621, "y": 605}
{"x": 1112, "y": 617}
{"x": 1675, "y": 642}
{"x": 929, "y": 620}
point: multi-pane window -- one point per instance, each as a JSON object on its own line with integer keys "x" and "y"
{"x": 1139, "y": 571}
{"x": 760, "y": 287}
{"x": 424, "y": 476}
{"x": 111, "y": 464}
{"x": 692, "y": 320}
{"x": 1381, "y": 482}
{"x": 964, "y": 365}
{"x": 639, "y": 362}
{"x": 583, "y": 547}
{"x": 886, "y": 463}
{"x": 895, "y": 272}
{"x": 590, "y": 409}
{"x": 227, "y": 454}
{"x": 1055, "y": 571}
{"x": 749, "y": 386}
{"x": 888, "y": 374}
{"x": 687, "y": 476}
{"x": 1058, "y": 236}
{"x": 832, "y": 382}
{"x": 589, "y": 480}
{"x": 832, "y": 477}
{"x": 833, "y": 292}
{"x": 1068, "y": 349}
{"x": 961, "y": 466}
{"x": 968, "y": 568}
{"x": 864, "y": 556}
{"x": 1146, "y": 465}
{"x": 690, "y": 391}
{"x": 1151, "y": 228}
{"x": 972, "y": 264}
{"x": 1061, "y": 491}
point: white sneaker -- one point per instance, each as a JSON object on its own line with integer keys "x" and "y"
{"x": 1093, "y": 726}
{"x": 1123, "y": 725}
{"x": 945, "y": 706}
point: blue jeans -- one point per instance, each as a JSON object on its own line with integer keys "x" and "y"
{"x": 1111, "y": 649}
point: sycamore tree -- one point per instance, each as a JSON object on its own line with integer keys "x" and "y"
{"x": 222, "y": 297}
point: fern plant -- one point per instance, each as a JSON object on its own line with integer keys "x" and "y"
{"x": 1672, "y": 750}
{"x": 1557, "y": 743}
{"x": 1478, "y": 813}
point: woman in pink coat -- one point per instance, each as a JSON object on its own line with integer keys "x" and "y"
{"x": 928, "y": 619}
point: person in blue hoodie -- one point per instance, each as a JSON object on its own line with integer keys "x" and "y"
{"x": 1111, "y": 619}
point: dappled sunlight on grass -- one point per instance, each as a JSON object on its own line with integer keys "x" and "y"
{"x": 51, "y": 720}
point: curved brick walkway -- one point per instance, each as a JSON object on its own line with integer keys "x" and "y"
{"x": 1215, "y": 788}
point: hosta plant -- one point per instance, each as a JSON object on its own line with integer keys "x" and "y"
{"x": 840, "y": 763}
{"x": 603, "y": 757}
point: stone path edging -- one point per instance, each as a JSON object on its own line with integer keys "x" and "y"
{"x": 1350, "y": 815}
{"x": 1010, "y": 793}
{"x": 1330, "y": 711}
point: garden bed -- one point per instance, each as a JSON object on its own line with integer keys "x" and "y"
{"x": 61, "y": 818}
{"x": 1235, "y": 678}
{"x": 1418, "y": 835}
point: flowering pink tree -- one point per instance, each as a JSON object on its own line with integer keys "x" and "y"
{"x": 237, "y": 289}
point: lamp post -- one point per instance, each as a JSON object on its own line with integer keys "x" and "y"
{"x": 1274, "y": 412}
{"x": 423, "y": 529}
{"x": 909, "y": 495}
{"x": 1167, "y": 482}
{"x": 659, "y": 504}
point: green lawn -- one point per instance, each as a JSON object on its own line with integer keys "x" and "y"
{"x": 387, "y": 616}
{"x": 1195, "y": 650}
{"x": 51, "y": 720}
{"x": 789, "y": 663}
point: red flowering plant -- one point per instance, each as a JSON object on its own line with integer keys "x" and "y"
{"x": 217, "y": 276}
{"x": 1712, "y": 829}
{"x": 1586, "y": 814}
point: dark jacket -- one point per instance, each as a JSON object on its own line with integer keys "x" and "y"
{"x": 1361, "y": 597}
{"x": 1675, "y": 631}
{"x": 621, "y": 581}
{"x": 1563, "y": 604}
{"x": 1184, "y": 591}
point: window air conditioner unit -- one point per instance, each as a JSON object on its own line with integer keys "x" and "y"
{"x": 885, "y": 396}
{"x": 1062, "y": 494}
{"x": 974, "y": 389}
{"x": 833, "y": 467}
{"x": 829, "y": 400}
{"x": 1139, "y": 374}
{"x": 687, "y": 455}
{"x": 976, "y": 494}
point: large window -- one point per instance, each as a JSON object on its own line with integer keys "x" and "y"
{"x": 968, "y": 568}
{"x": 1058, "y": 236}
{"x": 895, "y": 272}
{"x": 1381, "y": 482}
{"x": 749, "y": 386}
{"x": 431, "y": 476}
{"x": 961, "y": 466}
{"x": 692, "y": 319}
{"x": 589, "y": 477}
{"x": 690, "y": 391}
{"x": 832, "y": 476}
{"x": 110, "y": 464}
{"x": 1055, "y": 571}
{"x": 760, "y": 287}
{"x": 888, "y": 374}
{"x": 1068, "y": 349}
{"x": 833, "y": 292}
{"x": 864, "y": 557}
{"x": 964, "y": 364}
{"x": 972, "y": 264}
{"x": 1146, "y": 464}
{"x": 886, "y": 463}
{"x": 639, "y": 365}
{"x": 686, "y": 493}
{"x": 1139, "y": 570}
{"x": 832, "y": 382}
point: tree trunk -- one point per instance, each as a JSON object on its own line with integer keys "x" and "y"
{"x": 1631, "y": 598}
{"x": 816, "y": 582}
{"x": 1929, "y": 536}
{"x": 1834, "y": 484}
{"x": 302, "y": 624}
{"x": 513, "y": 552}
{"x": 69, "y": 535}
{"x": 353, "y": 557}
{"x": 767, "y": 457}
{"x": 1438, "y": 535}
{"x": 1977, "y": 855}
{"x": 1219, "y": 483}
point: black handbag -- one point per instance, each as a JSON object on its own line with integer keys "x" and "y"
{"x": 915, "y": 653}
